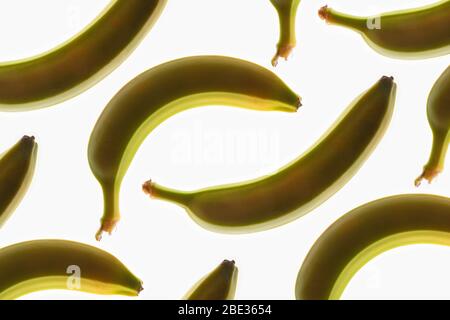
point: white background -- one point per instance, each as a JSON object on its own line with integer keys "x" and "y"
{"x": 157, "y": 240}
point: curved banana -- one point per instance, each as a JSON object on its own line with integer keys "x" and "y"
{"x": 59, "y": 264}
{"x": 81, "y": 62}
{"x": 16, "y": 172}
{"x": 364, "y": 233}
{"x": 438, "y": 111}
{"x": 287, "y": 13}
{"x": 407, "y": 34}
{"x": 300, "y": 186}
{"x": 161, "y": 92}
{"x": 219, "y": 284}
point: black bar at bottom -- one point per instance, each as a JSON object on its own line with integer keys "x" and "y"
{"x": 197, "y": 310}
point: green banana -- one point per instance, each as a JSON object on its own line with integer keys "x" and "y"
{"x": 59, "y": 264}
{"x": 300, "y": 186}
{"x": 364, "y": 233}
{"x": 161, "y": 92}
{"x": 407, "y": 34}
{"x": 287, "y": 13}
{"x": 438, "y": 111}
{"x": 16, "y": 172}
{"x": 81, "y": 62}
{"x": 219, "y": 284}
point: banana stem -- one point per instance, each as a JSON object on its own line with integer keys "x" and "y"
{"x": 334, "y": 17}
{"x": 111, "y": 214}
{"x": 436, "y": 161}
{"x": 159, "y": 192}
{"x": 287, "y": 13}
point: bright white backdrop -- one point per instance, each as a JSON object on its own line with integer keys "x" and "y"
{"x": 157, "y": 240}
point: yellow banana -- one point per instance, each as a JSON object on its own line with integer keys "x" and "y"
{"x": 364, "y": 233}
{"x": 59, "y": 264}
{"x": 16, "y": 172}
{"x": 406, "y": 34}
{"x": 438, "y": 112}
{"x": 164, "y": 90}
{"x": 81, "y": 62}
{"x": 219, "y": 284}
{"x": 300, "y": 186}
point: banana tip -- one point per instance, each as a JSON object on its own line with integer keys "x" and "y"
{"x": 99, "y": 234}
{"x": 299, "y": 102}
{"x": 283, "y": 51}
{"x": 140, "y": 289}
{"x": 275, "y": 60}
{"x": 30, "y": 140}
{"x": 147, "y": 187}
{"x": 108, "y": 225}
{"x": 226, "y": 261}
{"x": 428, "y": 174}
{"x": 387, "y": 78}
{"x": 324, "y": 13}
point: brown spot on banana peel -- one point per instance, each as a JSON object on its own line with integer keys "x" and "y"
{"x": 16, "y": 172}
{"x": 438, "y": 113}
{"x": 417, "y": 33}
{"x": 364, "y": 233}
{"x": 163, "y": 91}
{"x": 219, "y": 284}
{"x": 300, "y": 186}
{"x": 287, "y": 13}
{"x": 25, "y": 268}
{"x": 81, "y": 62}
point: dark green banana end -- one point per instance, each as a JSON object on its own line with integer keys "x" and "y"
{"x": 428, "y": 174}
{"x": 16, "y": 172}
{"x": 108, "y": 226}
{"x": 220, "y": 284}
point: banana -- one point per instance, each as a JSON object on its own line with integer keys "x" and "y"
{"x": 161, "y": 92}
{"x": 300, "y": 186}
{"x": 16, "y": 172}
{"x": 219, "y": 284}
{"x": 287, "y": 13}
{"x": 59, "y": 264}
{"x": 407, "y": 34}
{"x": 81, "y": 62}
{"x": 364, "y": 233}
{"x": 438, "y": 111}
